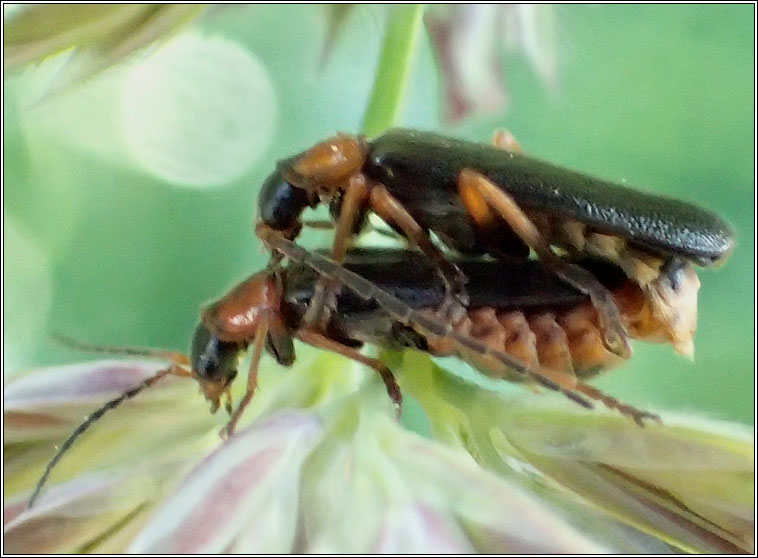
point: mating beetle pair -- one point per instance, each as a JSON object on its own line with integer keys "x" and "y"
{"x": 554, "y": 321}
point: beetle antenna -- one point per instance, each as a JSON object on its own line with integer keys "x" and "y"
{"x": 173, "y": 356}
{"x": 82, "y": 428}
{"x": 404, "y": 313}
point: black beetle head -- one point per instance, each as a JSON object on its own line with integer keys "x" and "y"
{"x": 214, "y": 363}
{"x": 280, "y": 203}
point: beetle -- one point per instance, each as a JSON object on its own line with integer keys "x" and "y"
{"x": 522, "y": 323}
{"x": 493, "y": 199}
{"x": 556, "y": 356}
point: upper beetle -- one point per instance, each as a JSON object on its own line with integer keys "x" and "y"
{"x": 494, "y": 199}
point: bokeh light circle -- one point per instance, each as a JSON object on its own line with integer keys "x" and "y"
{"x": 198, "y": 112}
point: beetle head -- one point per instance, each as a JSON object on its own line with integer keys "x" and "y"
{"x": 214, "y": 363}
{"x": 280, "y": 204}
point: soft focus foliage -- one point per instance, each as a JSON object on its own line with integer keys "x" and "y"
{"x": 386, "y": 104}
{"x": 99, "y": 35}
{"x": 228, "y": 132}
{"x": 684, "y": 482}
{"x": 469, "y": 41}
{"x": 335, "y": 473}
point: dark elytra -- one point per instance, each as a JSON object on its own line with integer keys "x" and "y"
{"x": 420, "y": 169}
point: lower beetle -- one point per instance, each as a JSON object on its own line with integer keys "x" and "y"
{"x": 521, "y": 324}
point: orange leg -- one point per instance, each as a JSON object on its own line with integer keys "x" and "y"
{"x": 392, "y": 211}
{"x": 355, "y": 197}
{"x": 317, "y": 340}
{"x": 475, "y": 186}
{"x": 506, "y": 141}
{"x": 252, "y": 380}
{"x": 613, "y": 403}
{"x": 319, "y": 224}
{"x": 326, "y": 225}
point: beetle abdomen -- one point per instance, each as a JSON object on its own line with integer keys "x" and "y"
{"x": 569, "y": 342}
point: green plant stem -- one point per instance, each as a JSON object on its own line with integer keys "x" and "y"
{"x": 393, "y": 72}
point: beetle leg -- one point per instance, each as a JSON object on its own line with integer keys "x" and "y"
{"x": 506, "y": 141}
{"x": 478, "y": 191}
{"x": 670, "y": 286}
{"x": 319, "y": 224}
{"x": 252, "y": 379}
{"x": 321, "y": 342}
{"x": 638, "y": 415}
{"x": 355, "y": 197}
{"x": 392, "y": 211}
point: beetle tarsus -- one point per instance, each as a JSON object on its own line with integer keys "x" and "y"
{"x": 639, "y": 416}
{"x": 505, "y": 140}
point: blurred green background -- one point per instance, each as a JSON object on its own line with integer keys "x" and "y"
{"x": 130, "y": 199}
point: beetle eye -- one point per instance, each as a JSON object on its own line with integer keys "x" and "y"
{"x": 213, "y": 359}
{"x": 280, "y": 203}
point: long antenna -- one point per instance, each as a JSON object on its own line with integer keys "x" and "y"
{"x": 402, "y": 312}
{"x": 429, "y": 326}
{"x": 173, "y": 356}
{"x": 79, "y": 430}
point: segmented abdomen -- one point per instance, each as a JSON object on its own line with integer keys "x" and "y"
{"x": 566, "y": 341}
